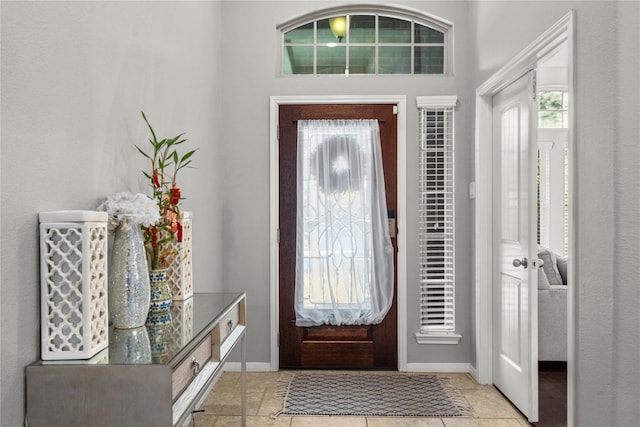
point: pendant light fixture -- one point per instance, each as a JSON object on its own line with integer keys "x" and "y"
{"x": 339, "y": 26}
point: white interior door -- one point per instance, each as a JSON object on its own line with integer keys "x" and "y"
{"x": 515, "y": 363}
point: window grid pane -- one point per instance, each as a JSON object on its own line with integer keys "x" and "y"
{"x": 298, "y": 60}
{"x": 362, "y": 29}
{"x": 424, "y": 34}
{"x": 392, "y": 30}
{"x": 331, "y": 60}
{"x": 394, "y": 60}
{"x": 324, "y": 33}
{"x": 429, "y": 60}
{"x": 302, "y": 34}
{"x": 436, "y": 220}
{"x": 553, "y": 109}
{"x": 362, "y": 60}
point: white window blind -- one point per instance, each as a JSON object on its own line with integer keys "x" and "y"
{"x": 436, "y": 216}
{"x": 566, "y": 203}
{"x": 544, "y": 192}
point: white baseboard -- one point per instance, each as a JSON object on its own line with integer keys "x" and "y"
{"x": 251, "y": 366}
{"x": 474, "y": 373}
{"x": 411, "y": 367}
{"x": 439, "y": 367}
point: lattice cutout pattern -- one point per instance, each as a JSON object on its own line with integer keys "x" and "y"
{"x": 179, "y": 273}
{"x": 182, "y": 312}
{"x": 74, "y": 317}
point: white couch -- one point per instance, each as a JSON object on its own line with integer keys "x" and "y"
{"x": 552, "y": 307}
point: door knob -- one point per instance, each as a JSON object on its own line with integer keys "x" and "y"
{"x": 523, "y": 262}
{"x": 538, "y": 263}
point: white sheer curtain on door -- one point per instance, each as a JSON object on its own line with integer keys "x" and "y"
{"x": 344, "y": 256}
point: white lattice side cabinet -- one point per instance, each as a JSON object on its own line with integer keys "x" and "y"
{"x": 73, "y": 284}
{"x": 179, "y": 272}
{"x": 182, "y": 322}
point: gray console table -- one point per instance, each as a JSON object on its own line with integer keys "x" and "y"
{"x": 157, "y": 382}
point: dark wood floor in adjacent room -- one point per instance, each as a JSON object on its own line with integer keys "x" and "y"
{"x": 552, "y": 386}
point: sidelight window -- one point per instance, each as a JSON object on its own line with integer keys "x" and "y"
{"x": 436, "y": 220}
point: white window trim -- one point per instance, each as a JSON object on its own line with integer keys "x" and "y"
{"x": 440, "y": 337}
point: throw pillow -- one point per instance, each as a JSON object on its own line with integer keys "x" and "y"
{"x": 550, "y": 268}
{"x": 543, "y": 282}
{"x": 562, "y": 268}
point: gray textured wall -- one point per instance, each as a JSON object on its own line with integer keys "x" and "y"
{"x": 75, "y": 76}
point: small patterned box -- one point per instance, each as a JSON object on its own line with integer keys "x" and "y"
{"x": 73, "y": 284}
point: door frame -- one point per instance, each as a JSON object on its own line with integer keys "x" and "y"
{"x": 275, "y": 102}
{"x": 545, "y": 45}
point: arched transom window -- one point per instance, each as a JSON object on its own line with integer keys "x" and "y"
{"x": 366, "y": 40}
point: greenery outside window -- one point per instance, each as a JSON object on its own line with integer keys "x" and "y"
{"x": 553, "y": 109}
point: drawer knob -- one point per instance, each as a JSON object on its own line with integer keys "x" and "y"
{"x": 229, "y": 326}
{"x": 195, "y": 366}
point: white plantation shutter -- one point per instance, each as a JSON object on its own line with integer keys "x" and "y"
{"x": 436, "y": 216}
{"x": 544, "y": 192}
{"x": 565, "y": 219}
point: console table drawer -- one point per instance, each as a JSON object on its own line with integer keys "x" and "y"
{"x": 226, "y": 326}
{"x": 229, "y": 322}
{"x": 187, "y": 370}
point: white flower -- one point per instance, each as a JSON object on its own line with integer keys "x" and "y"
{"x": 130, "y": 208}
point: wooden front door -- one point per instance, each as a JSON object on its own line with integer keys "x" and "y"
{"x": 331, "y": 347}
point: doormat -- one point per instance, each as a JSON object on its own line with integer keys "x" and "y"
{"x": 372, "y": 394}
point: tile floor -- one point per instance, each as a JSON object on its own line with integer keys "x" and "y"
{"x": 222, "y": 407}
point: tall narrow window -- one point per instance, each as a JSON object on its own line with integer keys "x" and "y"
{"x": 565, "y": 204}
{"x": 553, "y": 169}
{"x": 544, "y": 192}
{"x": 436, "y": 216}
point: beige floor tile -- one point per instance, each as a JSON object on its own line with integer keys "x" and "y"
{"x": 487, "y": 402}
{"x": 481, "y": 422}
{"x": 229, "y": 402}
{"x": 262, "y": 379}
{"x": 328, "y": 422}
{"x": 404, "y": 422}
{"x": 227, "y": 378}
{"x": 236, "y": 421}
{"x": 462, "y": 381}
{"x": 222, "y": 406}
{"x": 270, "y": 405}
{"x": 204, "y": 420}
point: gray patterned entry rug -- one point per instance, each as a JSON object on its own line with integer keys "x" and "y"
{"x": 372, "y": 394}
